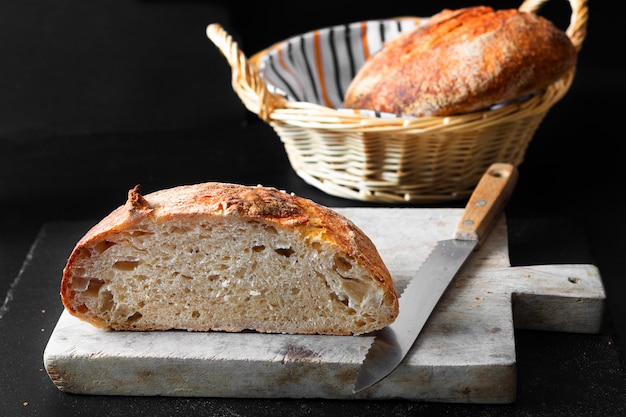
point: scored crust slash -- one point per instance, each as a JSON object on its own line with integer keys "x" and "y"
{"x": 228, "y": 257}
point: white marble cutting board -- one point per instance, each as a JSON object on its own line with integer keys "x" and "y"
{"x": 465, "y": 353}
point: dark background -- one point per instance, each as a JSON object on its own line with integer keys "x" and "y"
{"x": 97, "y": 96}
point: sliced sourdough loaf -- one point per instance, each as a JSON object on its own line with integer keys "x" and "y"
{"x": 228, "y": 257}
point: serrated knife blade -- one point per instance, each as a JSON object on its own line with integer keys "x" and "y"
{"x": 423, "y": 292}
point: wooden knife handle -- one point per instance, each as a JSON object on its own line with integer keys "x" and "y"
{"x": 487, "y": 201}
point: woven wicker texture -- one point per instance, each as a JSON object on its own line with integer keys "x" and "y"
{"x": 372, "y": 157}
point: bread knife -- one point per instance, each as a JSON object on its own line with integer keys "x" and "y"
{"x": 423, "y": 292}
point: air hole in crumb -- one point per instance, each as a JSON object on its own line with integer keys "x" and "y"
{"x": 94, "y": 287}
{"x": 195, "y": 314}
{"x": 271, "y": 229}
{"x": 134, "y": 318}
{"x": 126, "y": 264}
{"x": 177, "y": 229}
{"x": 342, "y": 299}
{"x": 79, "y": 283}
{"x": 107, "y": 301}
{"x": 136, "y": 233}
{"x": 258, "y": 248}
{"x": 102, "y": 246}
{"x": 342, "y": 264}
{"x": 286, "y": 252}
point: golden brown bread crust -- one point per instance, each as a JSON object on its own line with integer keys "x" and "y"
{"x": 463, "y": 60}
{"x": 200, "y": 201}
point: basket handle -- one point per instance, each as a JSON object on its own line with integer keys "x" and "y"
{"x": 577, "y": 29}
{"x": 246, "y": 81}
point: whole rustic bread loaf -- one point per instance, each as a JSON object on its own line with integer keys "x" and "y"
{"x": 461, "y": 61}
{"x": 228, "y": 257}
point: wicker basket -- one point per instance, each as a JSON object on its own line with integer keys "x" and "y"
{"x": 385, "y": 158}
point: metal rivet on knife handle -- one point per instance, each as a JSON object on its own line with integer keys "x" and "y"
{"x": 492, "y": 192}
